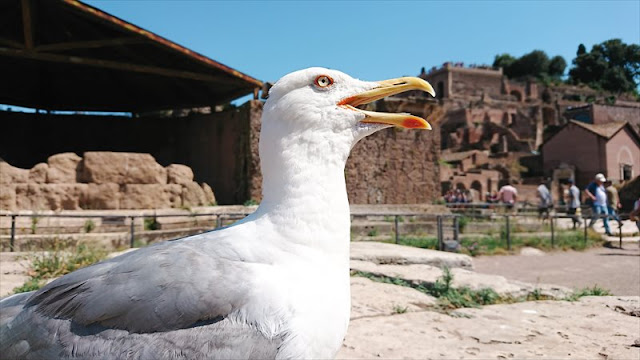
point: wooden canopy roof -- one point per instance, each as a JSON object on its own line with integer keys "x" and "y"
{"x": 67, "y": 55}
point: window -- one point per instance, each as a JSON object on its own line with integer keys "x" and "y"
{"x": 627, "y": 172}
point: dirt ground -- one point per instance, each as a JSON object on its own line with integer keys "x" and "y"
{"x": 617, "y": 270}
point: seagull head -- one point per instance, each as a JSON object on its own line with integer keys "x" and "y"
{"x": 323, "y": 101}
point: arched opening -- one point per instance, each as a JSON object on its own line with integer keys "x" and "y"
{"x": 517, "y": 94}
{"x": 440, "y": 93}
{"x": 460, "y": 186}
{"x": 476, "y": 185}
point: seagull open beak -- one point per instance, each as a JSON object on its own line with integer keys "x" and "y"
{"x": 388, "y": 88}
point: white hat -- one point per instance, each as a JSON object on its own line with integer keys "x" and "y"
{"x": 600, "y": 177}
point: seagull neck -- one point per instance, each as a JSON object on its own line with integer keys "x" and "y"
{"x": 304, "y": 189}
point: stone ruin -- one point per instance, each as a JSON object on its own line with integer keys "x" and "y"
{"x": 100, "y": 180}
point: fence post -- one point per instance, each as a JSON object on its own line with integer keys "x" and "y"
{"x": 439, "y": 232}
{"x": 508, "y": 233}
{"x": 620, "y": 233}
{"x": 13, "y": 233}
{"x": 219, "y": 221}
{"x": 396, "y": 225}
{"x": 132, "y": 239}
{"x": 456, "y": 229}
{"x": 551, "y": 218}
{"x": 585, "y": 231}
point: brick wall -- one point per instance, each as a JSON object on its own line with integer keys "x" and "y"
{"x": 603, "y": 114}
{"x": 393, "y": 166}
{"x": 622, "y": 148}
{"x": 575, "y": 146}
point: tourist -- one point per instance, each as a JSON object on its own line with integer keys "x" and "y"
{"x": 635, "y": 213}
{"x": 544, "y": 199}
{"x": 508, "y": 195}
{"x": 573, "y": 202}
{"x": 598, "y": 196}
{"x": 613, "y": 202}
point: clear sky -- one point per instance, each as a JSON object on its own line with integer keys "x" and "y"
{"x": 374, "y": 40}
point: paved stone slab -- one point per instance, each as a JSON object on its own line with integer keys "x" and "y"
{"x": 419, "y": 273}
{"x": 591, "y": 328}
{"x": 384, "y": 253}
{"x": 370, "y": 298}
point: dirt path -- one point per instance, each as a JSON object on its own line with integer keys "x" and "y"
{"x": 615, "y": 269}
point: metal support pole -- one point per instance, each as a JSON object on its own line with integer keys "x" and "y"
{"x": 508, "y": 232}
{"x": 396, "y": 226}
{"x": 553, "y": 237}
{"x": 132, "y": 239}
{"x": 456, "y": 229}
{"x": 620, "y": 234}
{"x": 13, "y": 233}
{"x": 439, "y": 232}
{"x": 585, "y": 231}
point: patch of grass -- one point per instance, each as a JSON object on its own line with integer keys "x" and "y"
{"x": 250, "y": 202}
{"x": 34, "y": 224}
{"x": 32, "y": 284}
{"x": 462, "y": 223}
{"x": 442, "y": 289}
{"x": 51, "y": 264}
{"x": 151, "y": 223}
{"x": 400, "y": 309}
{"x": 420, "y": 242}
{"x": 89, "y": 226}
{"x": 373, "y": 232}
{"x": 588, "y": 291}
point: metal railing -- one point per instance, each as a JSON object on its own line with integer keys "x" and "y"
{"x": 220, "y": 217}
{"x": 443, "y": 222}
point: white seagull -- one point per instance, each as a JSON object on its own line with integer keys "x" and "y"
{"x": 273, "y": 285}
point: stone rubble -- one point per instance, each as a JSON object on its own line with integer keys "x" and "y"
{"x": 100, "y": 180}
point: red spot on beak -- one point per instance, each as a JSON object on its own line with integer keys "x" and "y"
{"x": 411, "y": 123}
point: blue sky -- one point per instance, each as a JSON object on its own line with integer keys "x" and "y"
{"x": 377, "y": 39}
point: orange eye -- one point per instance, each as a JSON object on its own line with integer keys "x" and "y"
{"x": 323, "y": 81}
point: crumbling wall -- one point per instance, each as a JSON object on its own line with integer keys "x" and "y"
{"x": 215, "y": 146}
{"x": 100, "y": 180}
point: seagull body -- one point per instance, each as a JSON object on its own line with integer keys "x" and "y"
{"x": 273, "y": 285}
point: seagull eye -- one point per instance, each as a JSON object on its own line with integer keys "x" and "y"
{"x": 323, "y": 81}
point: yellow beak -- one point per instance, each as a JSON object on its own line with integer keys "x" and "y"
{"x": 388, "y": 88}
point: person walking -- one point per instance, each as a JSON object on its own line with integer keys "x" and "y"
{"x": 508, "y": 195}
{"x": 544, "y": 200}
{"x": 573, "y": 202}
{"x": 596, "y": 193}
{"x": 613, "y": 202}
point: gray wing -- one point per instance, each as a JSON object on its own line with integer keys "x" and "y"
{"x": 159, "y": 294}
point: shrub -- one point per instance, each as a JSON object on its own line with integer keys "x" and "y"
{"x": 89, "y": 226}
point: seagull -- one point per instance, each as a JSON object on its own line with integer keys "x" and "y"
{"x": 274, "y": 285}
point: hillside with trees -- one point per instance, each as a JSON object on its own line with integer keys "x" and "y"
{"x": 611, "y": 66}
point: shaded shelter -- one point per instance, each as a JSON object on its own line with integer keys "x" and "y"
{"x": 85, "y": 69}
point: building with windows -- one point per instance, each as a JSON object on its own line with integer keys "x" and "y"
{"x": 610, "y": 148}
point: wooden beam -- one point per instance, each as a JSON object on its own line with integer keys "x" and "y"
{"x": 90, "y": 44}
{"x": 27, "y": 24}
{"x": 11, "y": 43}
{"x": 108, "y": 64}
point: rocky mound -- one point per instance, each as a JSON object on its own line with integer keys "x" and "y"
{"x": 100, "y": 180}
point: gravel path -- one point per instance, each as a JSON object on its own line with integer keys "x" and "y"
{"x": 615, "y": 269}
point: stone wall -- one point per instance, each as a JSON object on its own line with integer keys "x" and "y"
{"x": 100, "y": 180}
{"x": 602, "y": 114}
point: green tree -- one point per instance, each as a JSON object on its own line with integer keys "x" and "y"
{"x": 557, "y": 65}
{"x": 535, "y": 63}
{"x": 503, "y": 61}
{"x": 611, "y": 65}
{"x": 581, "y": 50}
